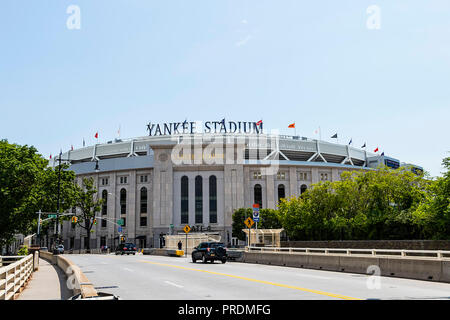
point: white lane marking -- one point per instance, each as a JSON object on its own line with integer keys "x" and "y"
{"x": 127, "y": 269}
{"x": 173, "y": 284}
{"x": 104, "y": 263}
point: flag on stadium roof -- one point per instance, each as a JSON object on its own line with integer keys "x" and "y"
{"x": 334, "y": 136}
{"x": 96, "y": 135}
{"x": 292, "y": 125}
{"x": 364, "y": 145}
{"x": 350, "y": 142}
{"x": 376, "y": 150}
{"x": 259, "y": 123}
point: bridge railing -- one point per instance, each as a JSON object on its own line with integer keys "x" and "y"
{"x": 436, "y": 254}
{"x": 14, "y": 275}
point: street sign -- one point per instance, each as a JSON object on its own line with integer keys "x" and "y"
{"x": 120, "y": 222}
{"x": 186, "y": 229}
{"x": 51, "y": 216}
{"x": 256, "y": 212}
{"x": 249, "y": 222}
{"x": 119, "y": 229}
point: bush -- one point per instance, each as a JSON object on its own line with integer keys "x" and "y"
{"x": 23, "y": 251}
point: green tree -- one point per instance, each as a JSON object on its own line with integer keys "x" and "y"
{"x": 268, "y": 219}
{"x": 20, "y": 170}
{"x": 433, "y": 214}
{"x": 374, "y": 204}
{"x": 88, "y": 202}
{"x": 239, "y": 216}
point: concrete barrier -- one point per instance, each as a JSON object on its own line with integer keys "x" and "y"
{"x": 76, "y": 279}
{"x": 419, "y": 268}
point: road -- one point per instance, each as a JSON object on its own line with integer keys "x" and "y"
{"x": 177, "y": 278}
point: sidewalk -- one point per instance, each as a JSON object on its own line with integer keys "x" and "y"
{"x": 47, "y": 283}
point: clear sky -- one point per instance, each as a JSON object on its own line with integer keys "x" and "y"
{"x": 315, "y": 63}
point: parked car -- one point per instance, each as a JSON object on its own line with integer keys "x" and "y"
{"x": 210, "y": 251}
{"x": 126, "y": 248}
{"x": 60, "y": 249}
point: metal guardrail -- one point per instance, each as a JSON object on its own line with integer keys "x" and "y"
{"x": 14, "y": 276}
{"x": 437, "y": 254}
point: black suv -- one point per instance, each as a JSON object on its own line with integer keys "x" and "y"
{"x": 126, "y": 248}
{"x": 210, "y": 251}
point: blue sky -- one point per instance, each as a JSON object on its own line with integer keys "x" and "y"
{"x": 314, "y": 63}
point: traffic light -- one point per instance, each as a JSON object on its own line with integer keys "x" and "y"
{"x": 74, "y": 219}
{"x": 95, "y": 221}
{"x": 122, "y": 239}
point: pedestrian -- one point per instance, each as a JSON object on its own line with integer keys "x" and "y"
{"x": 180, "y": 245}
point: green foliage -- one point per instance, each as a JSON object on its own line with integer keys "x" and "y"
{"x": 89, "y": 204}
{"x": 268, "y": 219}
{"x": 27, "y": 185}
{"x": 375, "y": 204}
{"x": 23, "y": 251}
{"x": 238, "y": 224}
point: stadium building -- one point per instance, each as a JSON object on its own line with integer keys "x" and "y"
{"x": 197, "y": 174}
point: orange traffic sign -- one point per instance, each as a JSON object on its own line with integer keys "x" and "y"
{"x": 249, "y": 222}
{"x": 186, "y": 229}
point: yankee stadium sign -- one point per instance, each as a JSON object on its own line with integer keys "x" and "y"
{"x": 192, "y": 127}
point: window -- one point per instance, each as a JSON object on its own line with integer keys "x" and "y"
{"x": 281, "y": 192}
{"x": 257, "y": 175}
{"x": 123, "y": 201}
{"x": 303, "y": 188}
{"x": 303, "y": 176}
{"x": 258, "y": 195}
{"x": 212, "y": 199}
{"x": 144, "y": 200}
{"x": 143, "y": 221}
{"x": 184, "y": 200}
{"x": 103, "y": 223}
{"x": 71, "y": 242}
{"x": 281, "y": 175}
{"x": 123, "y": 180}
{"x": 102, "y": 241}
{"x": 105, "y": 181}
{"x": 324, "y": 176}
{"x": 85, "y": 242}
{"x": 198, "y": 199}
{"x": 124, "y": 222}
{"x": 144, "y": 179}
{"x": 105, "y": 202}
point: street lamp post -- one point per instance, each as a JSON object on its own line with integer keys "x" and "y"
{"x": 59, "y": 195}
{"x": 55, "y": 251}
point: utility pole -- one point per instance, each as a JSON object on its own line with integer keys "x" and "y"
{"x": 59, "y": 191}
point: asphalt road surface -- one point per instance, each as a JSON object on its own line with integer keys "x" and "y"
{"x": 177, "y": 278}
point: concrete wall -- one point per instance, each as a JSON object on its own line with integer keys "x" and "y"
{"x": 412, "y": 268}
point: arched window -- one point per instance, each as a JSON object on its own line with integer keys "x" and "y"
{"x": 184, "y": 200}
{"x": 303, "y": 188}
{"x": 212, "y": 199}
{"x": 105, "y": 202}
{"x": 123, "y": 201}
{"x": 198, "y": 199}
{"x": 281, "y": 192}
{"x": 258, "y": 195}
{"x": 143, "y": 200}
